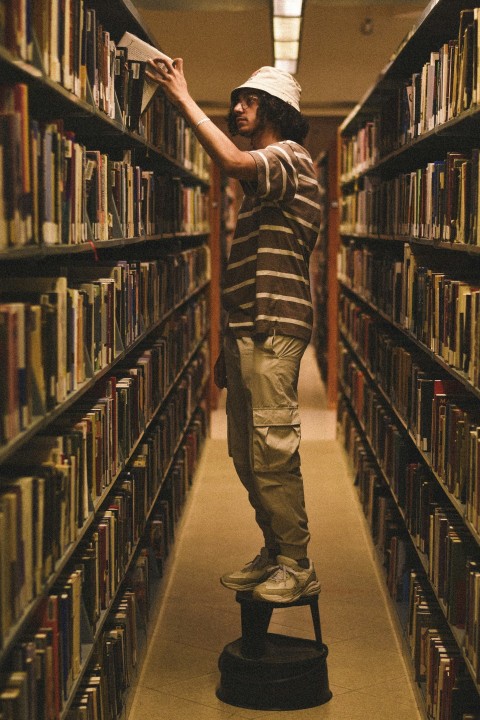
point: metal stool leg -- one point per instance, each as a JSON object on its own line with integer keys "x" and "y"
{"x": 255, "y": 620}
{"x": 316, "y": 620}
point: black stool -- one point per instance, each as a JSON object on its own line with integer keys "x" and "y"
{"x": 267, "y": 671}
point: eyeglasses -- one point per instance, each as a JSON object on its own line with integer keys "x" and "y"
{"x": 246, "y": 101}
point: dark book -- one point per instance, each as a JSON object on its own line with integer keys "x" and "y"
{"x": 456, "y": 586}
{"x": 136, "y": 79}
{"x": 121, "y": 79}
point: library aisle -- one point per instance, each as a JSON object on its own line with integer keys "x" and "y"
{"x": 198, "y": 617}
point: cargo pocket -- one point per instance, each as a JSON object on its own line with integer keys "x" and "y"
{"x": 276, "y": 438}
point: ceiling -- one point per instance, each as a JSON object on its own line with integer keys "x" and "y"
{"x": 222, "y": 42}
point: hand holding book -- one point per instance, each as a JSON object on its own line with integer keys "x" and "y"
{"x": 169, "y": 75}
{"x": 141, "y": 51}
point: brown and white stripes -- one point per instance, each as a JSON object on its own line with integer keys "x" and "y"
{"x": 267, "y": 288}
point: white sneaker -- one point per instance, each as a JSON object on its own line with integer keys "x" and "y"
{"x": 288, "y": 583}
{"x": 253, "y": 573}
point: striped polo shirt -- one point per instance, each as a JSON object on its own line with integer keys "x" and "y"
{"x": 267, "y": 287}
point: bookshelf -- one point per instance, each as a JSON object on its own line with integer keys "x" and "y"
{"x": 408, "y": 269}
{"x": 324, "y": 274}
{"x": 105, "y": 322}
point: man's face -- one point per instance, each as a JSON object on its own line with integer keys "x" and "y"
{"x": 245, "y": 110}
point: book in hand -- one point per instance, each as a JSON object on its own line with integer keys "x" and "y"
{"x": 139, "y": 50}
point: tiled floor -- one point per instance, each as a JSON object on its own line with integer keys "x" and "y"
{"x": 198, "y": 617}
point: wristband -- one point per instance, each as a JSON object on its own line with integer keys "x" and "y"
{"x": 202, "y": 120}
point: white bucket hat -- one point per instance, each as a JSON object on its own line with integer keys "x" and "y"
{"x": 276, "y": 82}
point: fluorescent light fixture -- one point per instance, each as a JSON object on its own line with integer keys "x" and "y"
{"x": 288, "y": 8}
{"x": 285, "y": 50}
{"x": 288, "y": 65}
{"x": 286, "y": 28}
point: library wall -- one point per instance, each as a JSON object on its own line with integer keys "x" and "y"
{"x": 105, "y": 309}
{"x": 409, "y": 265}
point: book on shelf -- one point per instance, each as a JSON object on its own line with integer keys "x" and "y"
{"x": 443, "y": 88}
{"x": 55, "y": 290}
{"x": 15, "y": 142}
{"x": 140, "y": 51}
{"x": 409, "y": 357}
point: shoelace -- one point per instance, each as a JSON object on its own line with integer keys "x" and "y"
{"x": 280, "y": 574}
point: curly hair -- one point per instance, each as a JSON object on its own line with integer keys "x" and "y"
{"x": 290, "y": 123}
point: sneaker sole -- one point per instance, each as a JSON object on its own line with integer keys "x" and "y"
{"x": 312, "y": 589}
{"x": 240, "y": 588}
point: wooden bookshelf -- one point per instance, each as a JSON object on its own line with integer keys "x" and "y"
{"x": 397, "y": 245}
{"x": 146, "y": 392}
{"x": 324, "y": 274}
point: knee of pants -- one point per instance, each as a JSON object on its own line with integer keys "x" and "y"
{"x": 275, "y": 439}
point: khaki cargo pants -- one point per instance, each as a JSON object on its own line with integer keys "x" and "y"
{"x": 264, "y": 435}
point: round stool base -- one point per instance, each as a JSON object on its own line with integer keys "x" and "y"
{"x": 291, "y": 674}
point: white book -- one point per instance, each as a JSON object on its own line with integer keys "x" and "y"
{"x": 26, "y": 488}
{"x": 142, "y": 51}
{"x": 55, "y": 68}
{"x": 67, "y": 70}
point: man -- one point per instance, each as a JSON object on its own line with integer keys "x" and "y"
{"x": 267, "y": 299}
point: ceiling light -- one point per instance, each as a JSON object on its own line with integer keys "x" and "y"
{"x": 289, "y": 8}
{"x": 288, "y": 65}
{"x": 286, "y": 28}
{"x": 285, "y": 50}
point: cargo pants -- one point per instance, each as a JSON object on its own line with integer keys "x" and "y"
{"x": 264, "y": 435}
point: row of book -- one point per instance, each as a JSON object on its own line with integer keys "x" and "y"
{"x": 61, "y": 330}
{"x": 72, "y": 47}
{"x": 69, "y": 468}
{"x": 69, "y": 615}
{"x": 384, "y": 521}
{"x": 359, "y": 152}
{"x": 450, "y": 571}
{"x": 437, "y": 660}
{"x": 41, "y": 662}
{"x": 110, "y": 674}
{"x": 55, "y": 191}
{"x": 376, "y": 276}
{"x": 446, "y": 86}
{"x": 159, "y": 537}
{"x": 438, "y": 309}
{"x": 440, "y": 419}
{"x": 44, "y": 665}
{"x": 115, "y": 662}
{"x": 436, "y": 202}
{"x": 164, "y": 127}
{"x": 70, "y": 44}
{"x": 393, "y": 450}
{"x": 437, "y": 411}
{"x": 446, "y": 542}
{"x": 410, "y": 586}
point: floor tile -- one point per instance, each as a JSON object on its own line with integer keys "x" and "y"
{"x": 171, "y": 662}
{"x": 345, "y": 706}
{"x": 156, "y": 705}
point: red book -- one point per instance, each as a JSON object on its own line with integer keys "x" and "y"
{"x": 48, "y": 617}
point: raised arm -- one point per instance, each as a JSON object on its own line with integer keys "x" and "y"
{"x": 234, "y": 162}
